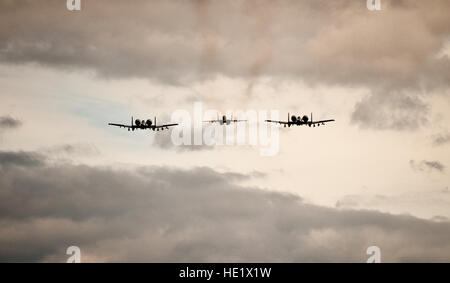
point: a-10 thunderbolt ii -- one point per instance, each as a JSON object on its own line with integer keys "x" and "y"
{"x": 224, "y": 120}
{"x": 300, "y": 121}
{"x": 144, "y": 125}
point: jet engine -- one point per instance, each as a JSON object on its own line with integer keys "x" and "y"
{"x": 305, "y": 119}
{"x": 148, "y": 122}
{"x": 138, "y": 122}
{"x": 293, "y": 119}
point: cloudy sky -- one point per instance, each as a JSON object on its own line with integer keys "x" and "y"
{"x": 377, "y": 176}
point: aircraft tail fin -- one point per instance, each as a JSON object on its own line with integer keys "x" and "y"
{"x": 132, "y": 120}
{"x": 155, "y": 121}
{"x": 311, "y": 118}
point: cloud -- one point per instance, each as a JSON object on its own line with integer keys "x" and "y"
{"x": 321, "y": 43}
{"x": 425, "y": 165}
{"x": 439, "y": 218}
{"x": 441, "y": 139}
{"x": 398, "y": 111}
{"x": 176, "y": 215}
{"x": 21, "y": 158}
{"x": 426, "y": 204}
{"x": 67, "y": 150}
{"x": 164, "y": 141}
{"x": 435, "y": 165}
{"x": 279, "y": 40}
{"x": 7, "y": 122}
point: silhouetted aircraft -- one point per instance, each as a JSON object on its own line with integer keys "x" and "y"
{"x": 300, "y": 121}
{"x": 144, "y": 125}
{"x": 224, "y": 120}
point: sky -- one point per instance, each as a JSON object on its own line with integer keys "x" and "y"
{"x": 377, "y": 176}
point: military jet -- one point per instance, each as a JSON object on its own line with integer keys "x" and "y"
{"x": 144, "y": 125}
{"x": 224, "y": 120}
{"x": 300, "y": 121}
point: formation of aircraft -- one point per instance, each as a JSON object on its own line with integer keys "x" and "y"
{"x": 300, "y": 121}
{"x": 291, "y": 121}
{"x": 144, "y": 125}
{"x": 224, "y": 120}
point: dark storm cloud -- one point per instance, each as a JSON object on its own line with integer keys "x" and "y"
{"x": 320, "y": 42}
{"x": 174, "y": 215}
{"x": 425, "y": 165}
{"x": 7, "y": 122}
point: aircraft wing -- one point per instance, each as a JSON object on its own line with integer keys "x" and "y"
{"x": 235, "y": 121}
{"x": 164, "y": 126}
{"x": 121, "y": 125}
{"x": 278, "y": 122}
{"x": 320, "y": 122}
